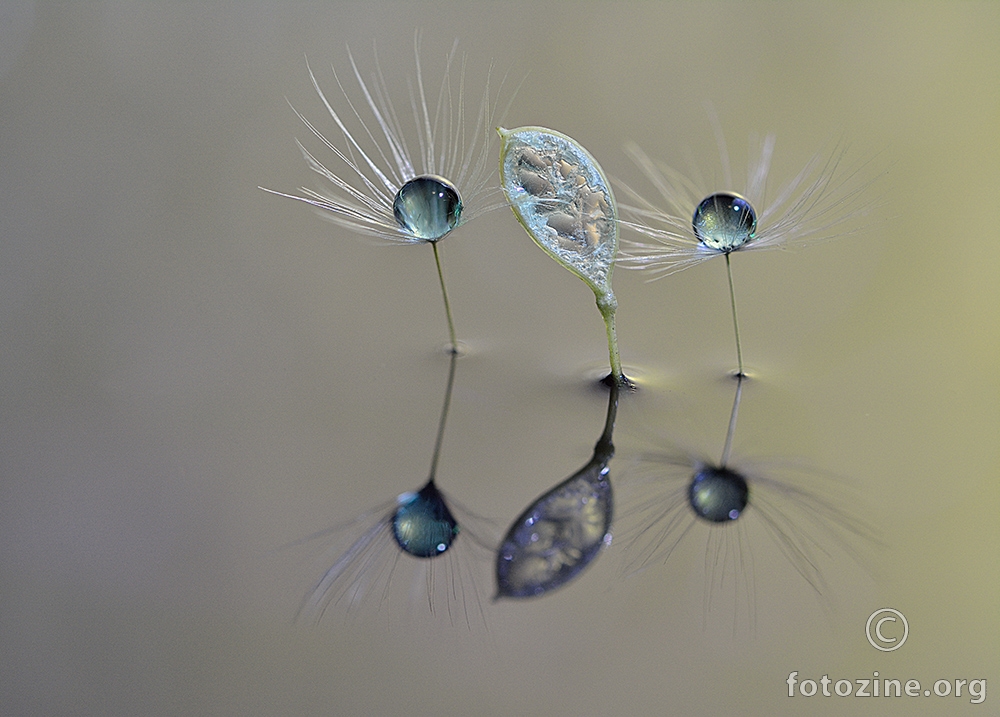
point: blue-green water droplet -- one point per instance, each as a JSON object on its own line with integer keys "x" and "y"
{"x": 423, "y": 525}
{"x": 724, "y": 222}
{"x": 428, "y": 207}
{"x": 718, "y": 494}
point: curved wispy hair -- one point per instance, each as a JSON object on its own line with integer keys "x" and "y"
{"x": 366, "y": 575}
{"x": 375, "y": 158}
{"x": 803, "y": 511}
{"x": 816, "y": 204}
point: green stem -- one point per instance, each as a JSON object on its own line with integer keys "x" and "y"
{"x": 608, "y": 305}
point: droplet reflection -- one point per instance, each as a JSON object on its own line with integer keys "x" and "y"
{"x": 423, "y": 524}
{"x": 419, "y": 524}
{"x": 718, "y": 494}
{"x": 797, "y": 508}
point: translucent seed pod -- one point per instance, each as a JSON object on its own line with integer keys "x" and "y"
{"x": 563, "y": 200}
{"x": 561, "y": 197}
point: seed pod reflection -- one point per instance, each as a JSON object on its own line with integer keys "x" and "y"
{"x": 558, "y": 536}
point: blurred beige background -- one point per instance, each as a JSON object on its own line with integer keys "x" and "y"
{"x": 195, "y": 373}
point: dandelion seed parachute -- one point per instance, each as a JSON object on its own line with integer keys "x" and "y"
{"x": 380, "y": 187}
{"x": 698, "y": 223}
{"x": 689, "y": 225}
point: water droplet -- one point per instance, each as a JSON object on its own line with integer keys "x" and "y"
{"x": 423, "y": 525}
{"x": 718, "y": 494}
{"x": 724, "y": 222}
{"x": 428, "y": 207}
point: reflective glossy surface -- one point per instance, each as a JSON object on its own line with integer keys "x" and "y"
{"x": 196, "y": 373}
{"x": 718, "y": 494}
{"x": 724, "y": 222}
{"x": 428, "y": 207}
{"x": 423, "y": 525}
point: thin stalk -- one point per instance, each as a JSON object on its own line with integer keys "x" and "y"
{"x": 732, "y": 422}
{"x": 736, "y": 323}
{"x": 447, "y": 305}
{"x": 605, "y": 449}
{"x": 444, "y": 415}
{"x": 608, "y": 304}
{"x": 453, "y": 353}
